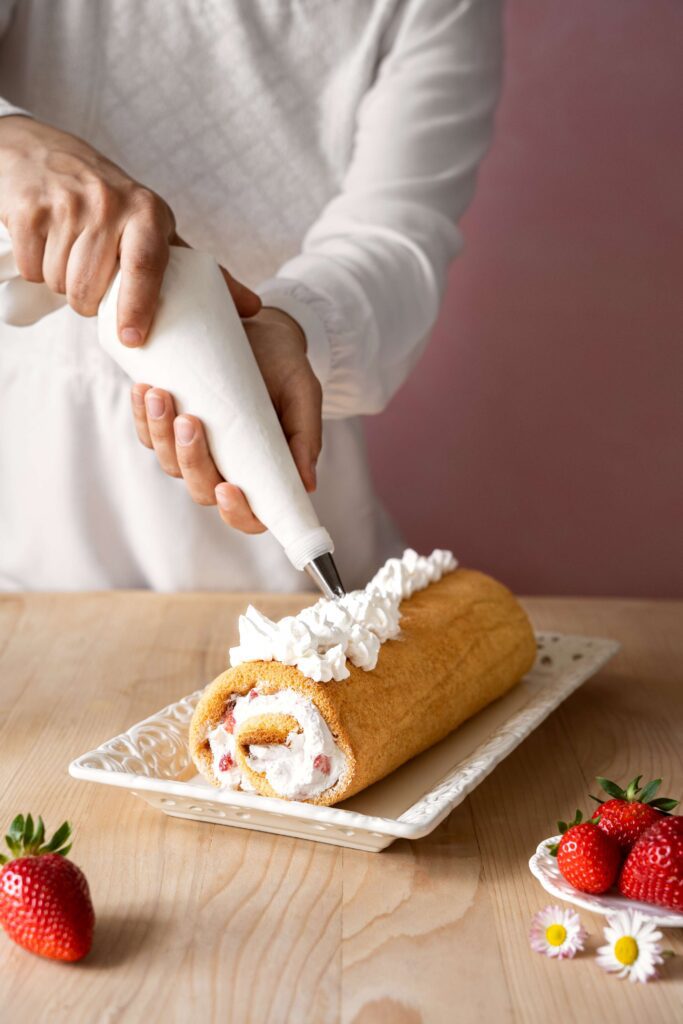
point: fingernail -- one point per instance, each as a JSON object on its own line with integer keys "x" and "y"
{"x": 130, "y": 336}
{"x": 314, "y": 474}
{"x": 155, "y": 406}
{"x": 223, "y": 500}
{"x": 138, "y": 399}
{"x": 184, "y": 430}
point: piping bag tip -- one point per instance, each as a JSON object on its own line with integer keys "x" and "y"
{"x": 323, "y": 570}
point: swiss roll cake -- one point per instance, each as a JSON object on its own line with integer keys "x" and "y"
{"x": 320, "y": 705}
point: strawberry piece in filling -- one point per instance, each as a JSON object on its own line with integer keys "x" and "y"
{"x": 322, "y": 763}
{"x": 228, "y": 718}
{"x": 225, "y": 763}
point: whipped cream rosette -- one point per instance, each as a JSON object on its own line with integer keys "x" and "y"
{"x": 321, "y": 704}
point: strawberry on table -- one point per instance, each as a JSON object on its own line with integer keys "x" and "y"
{"x": 653, "y": 870}
{"x": 45, "y": 903}
{"x": 631, "y": 811}
{"x": 587, "y": 857}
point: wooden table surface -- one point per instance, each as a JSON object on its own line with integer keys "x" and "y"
{"x": 202, "y": 922}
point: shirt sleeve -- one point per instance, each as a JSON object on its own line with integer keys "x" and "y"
{"x": 367, "y": 285}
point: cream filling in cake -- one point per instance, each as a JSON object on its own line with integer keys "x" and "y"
{"x": 305, "y": 766}
{"x": 320, "y": 639}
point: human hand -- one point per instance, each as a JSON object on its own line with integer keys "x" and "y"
{"x": 71, "y": 214}
{"x": 180, "y": 443}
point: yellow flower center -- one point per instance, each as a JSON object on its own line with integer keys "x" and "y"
{"x": 626, "y": 950}
{"x": 555, "y": 934}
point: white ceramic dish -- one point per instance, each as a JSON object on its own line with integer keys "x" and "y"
{"x": 152, "y": 761}
{"x": 544, "y": 867}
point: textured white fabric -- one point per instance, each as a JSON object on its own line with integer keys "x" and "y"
{"x": 323, "y": 152}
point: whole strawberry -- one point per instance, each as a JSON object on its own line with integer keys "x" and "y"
{"x": 653, "y": 870}
{"x": 45, "y": 903}
{"x": 586, "y": 856}
{"x": 631, "y": 811}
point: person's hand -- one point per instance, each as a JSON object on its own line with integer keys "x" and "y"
{"x": 71, "y": 214}
{"x": 180, "y": 444}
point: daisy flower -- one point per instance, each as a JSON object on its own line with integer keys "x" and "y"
{"x": 557, "y": 931}
{"x": 633, "y": 947}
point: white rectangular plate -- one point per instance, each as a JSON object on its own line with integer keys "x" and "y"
{"x": 152, "y": 760}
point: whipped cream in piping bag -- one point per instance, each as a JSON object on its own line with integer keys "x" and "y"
{"x": 321, "y": 639}
{"x": 306, "y": 765}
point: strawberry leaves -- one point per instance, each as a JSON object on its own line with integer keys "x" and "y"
{"x": 563, "y": 826}
{"x": 26, "y": 838}
{"x": 56, "y": 844}
{"x": 612, "y": 789}
{"x": 647, "y": 792}
{"x": 635, "y": 794}
{"x": 664, "y": 804}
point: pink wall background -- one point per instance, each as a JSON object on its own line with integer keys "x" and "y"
{"x": 541, "y": 435}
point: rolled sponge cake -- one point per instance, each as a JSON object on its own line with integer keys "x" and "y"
{"x": 464, "y": 642}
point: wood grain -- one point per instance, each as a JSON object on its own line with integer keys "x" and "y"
{"x": 204, "y": 922}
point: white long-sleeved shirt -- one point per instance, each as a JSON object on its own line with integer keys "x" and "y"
{"x": 324, "y": 152}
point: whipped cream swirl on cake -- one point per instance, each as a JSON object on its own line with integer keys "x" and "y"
{"x": 321, "y": 639}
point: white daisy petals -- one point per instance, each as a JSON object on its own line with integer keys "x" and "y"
{"x": 632, "y": 948}
{"x": 557, "y": 932}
